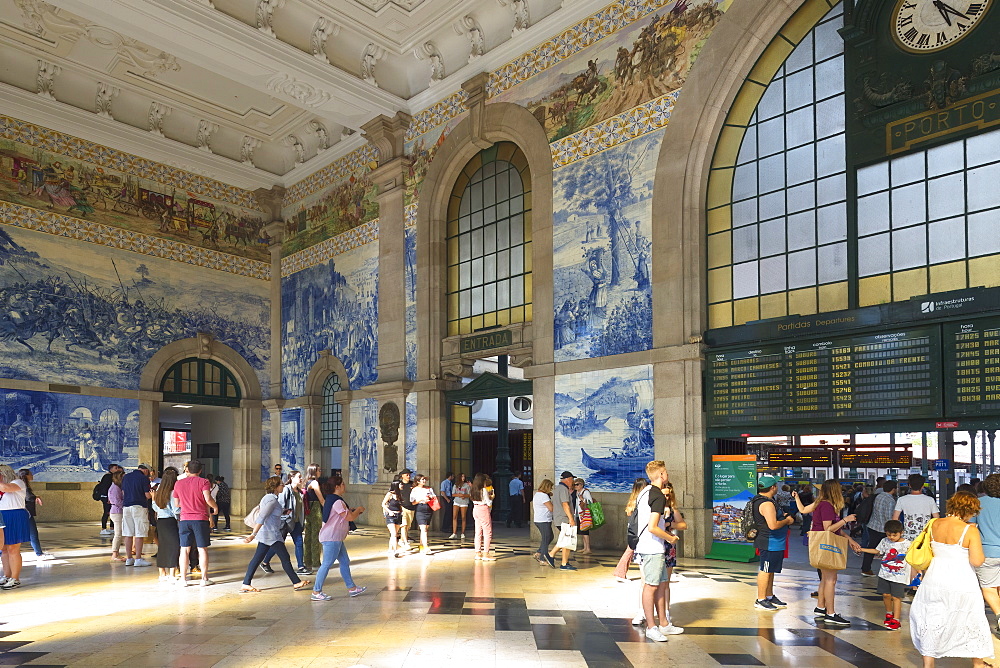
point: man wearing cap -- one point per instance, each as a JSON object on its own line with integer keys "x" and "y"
{"x": 562, "y": 517}
{"x": 136, "y": 493}
{"x": 405, "y": 487}
{"x": 772, "y": 530}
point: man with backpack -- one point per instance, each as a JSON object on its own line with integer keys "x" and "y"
{"x": 649, "y": 537}
{"x": 769, "y": 533}
{"x": 100, "y": 493}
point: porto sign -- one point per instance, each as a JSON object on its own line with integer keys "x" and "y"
{"x": 980, "y": 111}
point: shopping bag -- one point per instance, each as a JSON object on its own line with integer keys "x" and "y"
{"x": 919, "y": 555}
{"x": 434, "y": 503}
{"x": 251, "y": 520}
{"x": 827, "y": 551}
{"x": 586, "y": 520}
{"x": 567, "y": 537}
{"x": 597, "y": 514}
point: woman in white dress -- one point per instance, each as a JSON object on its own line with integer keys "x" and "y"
{"x": 948, "y": 617}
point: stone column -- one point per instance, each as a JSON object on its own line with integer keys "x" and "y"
{"x": 149, "y": 431}
{"x": 246, "y": 485}
{"x": 274, "y": 407}
{"x": 272, "y": 200}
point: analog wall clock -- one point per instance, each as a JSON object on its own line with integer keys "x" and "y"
{"x": 926, "y": 26}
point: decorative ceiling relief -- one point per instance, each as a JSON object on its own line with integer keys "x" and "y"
{"x": 322, "y": 31}
{"x": 205, "y": 131}
{"x": 305, "y": 94}
{"x": 470, "y": 28}
{"x": 47, "y": 73}
{"x": 521, "y": 19}
{"x": 265, "y": 14}
{"x": 105, "y": 94}
{"x": 369, "y": 57}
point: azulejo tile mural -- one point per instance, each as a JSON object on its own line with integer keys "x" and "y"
{"x": 67, "y": 437}
{"x": 75, "y": 316}
{"x": 331, "y": 305}
{"x": 604, "y": 426}
{"x": 94, "y": 183}
{"x": 602, "y": 235}
{"x": 363, "y": 452}
{"x": 410, "y": 287}
{"x": 293, "y": 439}
{"x": 410, "y": 452}
{"x": 265, "y": 445}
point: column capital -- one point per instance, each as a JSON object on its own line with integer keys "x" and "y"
{"x": 476, "y": 91}
{"x": 271, "y": 199}
{"x": 388, "y": 134}
{"x": 274, "y": 405}
{"x": 390, "y": 178}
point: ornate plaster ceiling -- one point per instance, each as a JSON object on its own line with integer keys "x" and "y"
{"x": 252, "y": 91}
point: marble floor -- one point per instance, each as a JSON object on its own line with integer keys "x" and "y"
{"x": 80, "y": 610}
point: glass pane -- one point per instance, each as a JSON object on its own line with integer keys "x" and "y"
{"x": 873, "y": 255}
{"x": 800, "y": 127}
{"x": 801, "y": 197}
{"x": 477, "y": 242}
{"x": 489, "y": 215}
{"x": 801, "y": 230}
{"x": 503, "y": 233}
{"x": 772, "y": 205}
{"x": 945, "y": 158}
{"x": 802, "y": 269}
{"x": 830, "y": 156}
{"x": 984, "y": 185}
{"x": 489, "y": 239}
{"x": 477, "y": 271}
{"x": 489, "y": 299}
{"x": 490, "y": 268}
{"x": 830, "y": 116}
{"x": 982, "y": 148}
{"x": 801, "y": 164}
{"x": 503, "y": 294}
{"x": 503, "y": 264}
{"x": 828, "y": 41}
{"x": 514, "y": 184}
{"x": 832, "y": 223}
{"x": 773, "y": 102}
{"x": 464, "y": 247}
{"x": 745, "y": 243}
{"x": 772, "y": 274}
{"x": 873, "y": 177}
{"x": 465, "y": 275}
{"x": 464, "y": 223}
{"x": 503, "y": 186}
{"x": 909, "y": 248}
{"x": 489, "y": 192}
{"x": 465, "y": 304}
{"x": 476, "y": 193}
{"x": 745, "y": 181}
{"x": 516, "y": 261}
{"x": 745, "y": 280}
{"x": 802, "y": 56}
{"x": 772, "y": 238}
{"x": 908, "y": 205}
{"x": 945, "y": 196}
{"x": 517, "y": 291}
{"x": 516, "y": 230}
{"x": 748, "y": 149}
{"x": 830, "y": 77}
{"x": 477, "y": 301}
{"x": 833, "y": 263}
{"x": 831, "y": 189}
{"x": 947, "y": 240}
{"x": 744, "y": 212}
{"x": 873, "y": 213}
{"x": 799, "y": 89}
{"x": 908, "y": 169}
{"x": 983, "y": 236}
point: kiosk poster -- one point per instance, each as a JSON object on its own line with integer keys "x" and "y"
{"x": 734, "y": 483}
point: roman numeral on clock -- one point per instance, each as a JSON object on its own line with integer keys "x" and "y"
{"x": 905, "y": 20}
{"x": 911, "y": 34}
{"x": 974, "y": 8}
{"x": 941, "y": 38}
{"x": 924, "y": 40}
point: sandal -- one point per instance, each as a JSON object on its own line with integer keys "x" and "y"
{"x": 301, "y": 585}
{"x": 248, "y": 589}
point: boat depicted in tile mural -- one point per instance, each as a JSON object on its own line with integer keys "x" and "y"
{"x": 67, "y": 437}
{"x": 604, "y": 426}
{"x": 641, "y": 62}
{"x": 130, "y": 200}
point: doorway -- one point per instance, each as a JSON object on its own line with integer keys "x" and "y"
{"x": 189, "y": 431}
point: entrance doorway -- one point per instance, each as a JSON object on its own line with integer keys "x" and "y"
{"x": 190, "y": 432}
{"x": 491, "y": 432}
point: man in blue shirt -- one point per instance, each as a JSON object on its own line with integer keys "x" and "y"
{"x": 446, "y": 497}
{"x": 136, "y": 493}
{"x": 772, "y": 530}
{"x": 516, "y": 490}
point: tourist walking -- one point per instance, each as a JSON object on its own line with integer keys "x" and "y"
{"x": 136, "y": 496}
{"x": 409, "y": 510}
{"x": 583, "y": 501}
{"x": 621, "y": 570}
{"x": 421, "y": 497}
{"x": 826, "y": 517}
{"x": 563, "y": 517}
{"x": 947, "y": 617}
{"x": 462, "y": 492}
{"x": 115, "y": 498}
{"x": 988, "y": 522}
{"x": 30, "y": 504}
{"x": 916, "y": 508}
{"x": 482, "y": 509}
{"x": 194, "y": 496}
{"x": 884, "y": 504}
{"x": 267, "y": 531}
{"x": 392, "y": 509}
{"x": 293, "y": 516}
{"x": 336, "y": 523}
{"x": 541, "y": 507}
{"x": 314, "y": 501}
{"x": 772, "y": 534}
{"x": 17, "y": 525}
{"x": 168, "y": 512}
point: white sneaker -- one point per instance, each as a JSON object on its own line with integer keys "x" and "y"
{"x": 671, "y": 630}
{"x": 45, "y": 556}
{"x": 3, "y": 580}
{"x": 141, "y": 562}
{"x": 639, "y": 620}
{"x": 106, "y": 532}
{"x": 463, "y": 536}
{"x": 654, "y": 634}
{"x": 130, "y": 562}
{"x": 453, "y": 536}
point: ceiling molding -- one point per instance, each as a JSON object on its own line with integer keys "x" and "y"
{"x": 92, "y": 127}
{"x": 324, "y": 159}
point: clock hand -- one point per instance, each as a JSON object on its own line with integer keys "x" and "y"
{"x": 948, "y": 8}
{"x": 941, "y": 10}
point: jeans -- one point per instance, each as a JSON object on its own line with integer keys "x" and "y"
{"x": 544, "y": 528}
{"x": 296, "y": 533}
{"x": 332, "y": 551}
{"x": 36, "y": 545}
{"x": 874, "y": 538}
{"x": 281, "y": 552}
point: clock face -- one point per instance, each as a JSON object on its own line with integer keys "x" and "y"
{"x": 925, "y": 26}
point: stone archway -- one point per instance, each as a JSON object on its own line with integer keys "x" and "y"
{"x": 247, "y": 421}
{"x": 312, "y": 405}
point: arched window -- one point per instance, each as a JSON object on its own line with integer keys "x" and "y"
{"x": 199, "y": 381}
{"x": 489, "y": 242}
{"x": 331, "y": 414}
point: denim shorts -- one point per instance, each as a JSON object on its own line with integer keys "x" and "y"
{"x": 654, "y": 568}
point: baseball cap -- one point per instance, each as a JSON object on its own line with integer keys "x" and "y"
{"x": 767, "y": 481}
{"x": 407, "y": 471}
{"x": 566, "y": 474}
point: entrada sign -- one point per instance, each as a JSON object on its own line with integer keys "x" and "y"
{"x": 476, "y": 342}
{"x": 981, "y": 111}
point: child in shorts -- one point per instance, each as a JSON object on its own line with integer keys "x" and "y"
{"x": 894, "y": 574}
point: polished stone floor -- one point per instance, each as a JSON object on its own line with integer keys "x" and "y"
{"x": 80, "y": 610}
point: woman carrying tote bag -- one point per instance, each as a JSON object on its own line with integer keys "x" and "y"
{"x": 827, "y": 531}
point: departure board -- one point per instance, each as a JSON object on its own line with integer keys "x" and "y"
{"x": 892, "y": 375}
{"x": 972, "y": 367}
{"x": 901, "y": 460}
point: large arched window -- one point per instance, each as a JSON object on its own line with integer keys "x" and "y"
{"x": 331, "y": 415}
{"x": 199, "y": 381}
{"x": 489, "y": 242}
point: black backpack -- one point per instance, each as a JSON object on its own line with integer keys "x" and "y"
{"x": 633, "y": 524}
{"x": 865, "y": 509}
{"x": 748, "y": 523}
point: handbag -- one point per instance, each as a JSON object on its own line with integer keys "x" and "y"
{"x": 567, "y": 537}
{"x": 827, "y": 550}
{"x": 251, "y": 519}
{"x": 434, "y": 503}
{"x": 597, "y": 514}
{"x": 586, "y": 520}
{"x": 919, "y": 555}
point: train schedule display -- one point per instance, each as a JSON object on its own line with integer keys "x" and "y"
{"x": 885, "y": 376}
{"x": 972, "y": 367}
